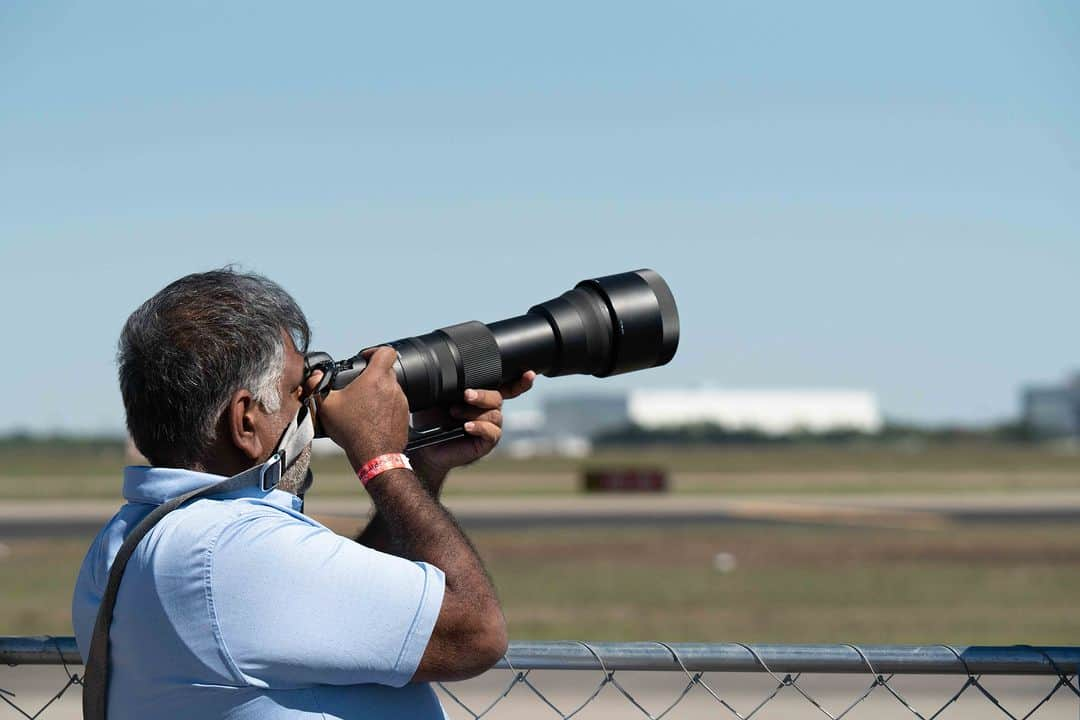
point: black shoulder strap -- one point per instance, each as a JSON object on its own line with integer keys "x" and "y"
{"x": 96, "y": 675}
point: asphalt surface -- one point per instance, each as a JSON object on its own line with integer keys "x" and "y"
{"x": 52, "y": 519}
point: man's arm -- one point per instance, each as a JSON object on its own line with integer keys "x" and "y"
{"x": 368, "y": 418}
{"x": 483, "y": 411}
{"x": 470, "y": 634}
{"x": 377, "y": 535}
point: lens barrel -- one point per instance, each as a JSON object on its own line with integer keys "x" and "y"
{"x": 604, "y": 326}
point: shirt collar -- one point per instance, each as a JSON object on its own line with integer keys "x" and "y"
{"x": 156, "y": 485}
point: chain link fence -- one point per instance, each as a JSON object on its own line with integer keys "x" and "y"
{"x": 709, "y": 680}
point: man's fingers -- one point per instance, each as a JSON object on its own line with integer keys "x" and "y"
{"x": 380, "y": 358}
{"x": 493, "y": 399}
{"x": 487, "y": 399}
{"x": 521, "y": 385}
{"x": 487, "y": 431}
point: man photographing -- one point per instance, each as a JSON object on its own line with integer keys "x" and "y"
{"x": 237, "y": 605}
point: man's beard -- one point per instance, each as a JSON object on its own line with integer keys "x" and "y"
{"x": 296, "y": 479}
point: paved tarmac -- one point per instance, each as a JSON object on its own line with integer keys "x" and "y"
{"x": 55, "y": 518}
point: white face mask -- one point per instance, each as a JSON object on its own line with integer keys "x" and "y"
{"x": 296, "y": 444}
{"x": 297, "y": 436}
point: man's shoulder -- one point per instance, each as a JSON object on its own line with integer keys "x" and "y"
{"x": 208, "y": 519}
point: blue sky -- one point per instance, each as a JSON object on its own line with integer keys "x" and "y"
{"x": 878, "y": 196}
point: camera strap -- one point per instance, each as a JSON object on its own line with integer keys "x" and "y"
{"x": 266, "y": 476}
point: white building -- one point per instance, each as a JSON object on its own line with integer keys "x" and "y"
{"x": 773, "y": 412}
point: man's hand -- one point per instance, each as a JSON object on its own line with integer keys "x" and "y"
{"x": 369, "y": 416}
{"x": 483, "y": 415}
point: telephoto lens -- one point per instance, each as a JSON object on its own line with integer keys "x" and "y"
{"x": 604, "y": 326}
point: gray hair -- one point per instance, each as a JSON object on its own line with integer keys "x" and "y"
{"x": 187, "y": 349}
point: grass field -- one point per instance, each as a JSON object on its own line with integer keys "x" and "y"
{"x": 964, "y": 584}
{"x": 960, "y": 583}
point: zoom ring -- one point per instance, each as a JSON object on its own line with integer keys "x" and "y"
{"x": 480, "y": 358}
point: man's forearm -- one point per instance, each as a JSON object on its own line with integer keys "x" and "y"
{"x": 413, "y": 522}
{"x": 377, "y": 536}
{"x": 470, "y": 633}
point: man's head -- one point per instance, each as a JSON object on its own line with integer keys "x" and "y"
{"x": 211, "y": 370}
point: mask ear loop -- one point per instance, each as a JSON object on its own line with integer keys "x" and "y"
{"x": 312, "y": 405}
{"x": 297, "y": 435}
{"x": 305, "y": 417}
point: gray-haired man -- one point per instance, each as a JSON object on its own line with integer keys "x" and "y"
{"x": 238, "y": 605}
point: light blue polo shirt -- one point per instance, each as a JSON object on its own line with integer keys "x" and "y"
{"x": 239, "y": 606}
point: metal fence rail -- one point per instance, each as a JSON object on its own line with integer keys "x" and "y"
{"x": 783, "y": 664}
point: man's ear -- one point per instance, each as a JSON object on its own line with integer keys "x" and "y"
{"x": 243, "y": 417}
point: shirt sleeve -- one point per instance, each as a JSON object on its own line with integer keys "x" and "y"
{"x": 295, "y": 604}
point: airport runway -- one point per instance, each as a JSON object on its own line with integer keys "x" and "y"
{"x": 52, "y": 518}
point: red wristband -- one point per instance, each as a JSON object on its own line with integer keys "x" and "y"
{"x": 379, "y": 465}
